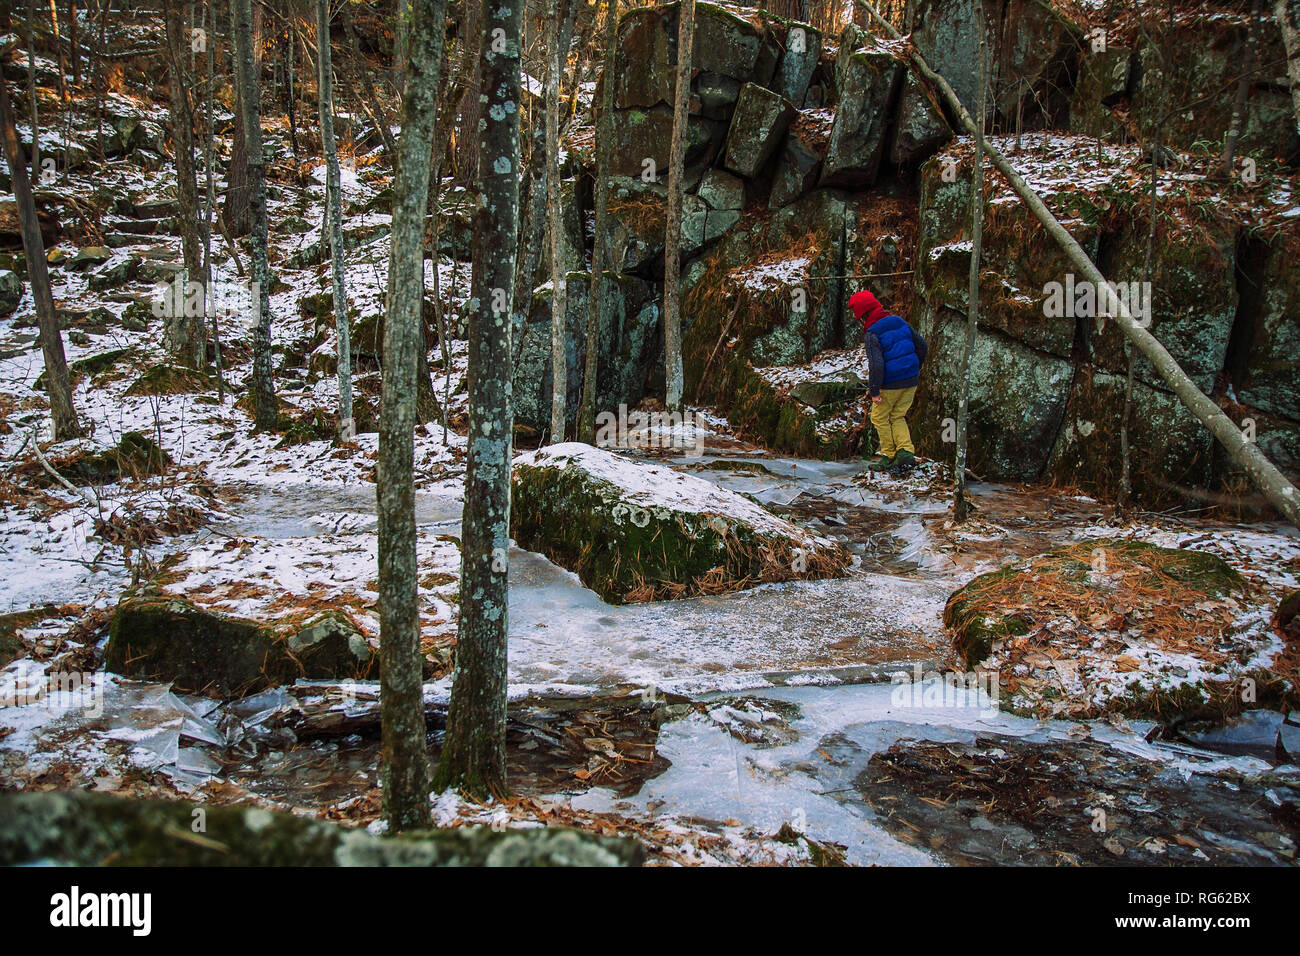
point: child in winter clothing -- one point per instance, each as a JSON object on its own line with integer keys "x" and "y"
{"x": 894, "y": 356}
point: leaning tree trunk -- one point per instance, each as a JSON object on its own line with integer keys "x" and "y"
{"x": 404, "y": 773}
{"x": 1241, "y": 450}
{"x": 559, "y": 258}
{"x": 58, "y": 386}
{"x": 264, "y": 401}
{"x": 961, "y": 505}
{"x": 600, "y": 241}
{"x": 334, "y": 200}
{"x": 1288, "y": 18}
{"x": 185, "y": 335}
{"x": 473, "y": 756}
{"x": 673, "y": 237}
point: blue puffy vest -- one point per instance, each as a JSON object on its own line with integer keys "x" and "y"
{"x": 901, "y": 361}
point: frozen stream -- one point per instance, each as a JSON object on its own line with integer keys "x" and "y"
{"x": 564, "y": 637}
{"x": 792, "y": 683}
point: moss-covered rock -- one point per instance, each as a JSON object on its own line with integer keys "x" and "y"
{"x": 83, "y": 463}
{"x": 90, "y": 829}
{"x": 867, "y": 80}
{"x": 1171, "y": 450}
{"x": 1118, "y": 626}
{"x": 633, "y": 531}
{"x": 156, "y": 637}
{"x": 757, "y": 125}
{"x": 167, "y": 379}
{"x": 91, "y": 365}
{"x": 11, "y": 292}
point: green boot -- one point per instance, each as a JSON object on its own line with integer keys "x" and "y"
{"x": 880, "y": 463}
{"x": 904, "y": 462}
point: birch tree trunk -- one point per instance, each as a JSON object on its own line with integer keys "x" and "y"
{"x": 185, "y": 335}
{"x": 961, "y": 505}
{"x": 473, "y": 756}
{"x": 1241, "y": 450}
{"x": 1288, "y": 19}
{"x": 559, "y": 258}
{"x": 62, "y": 414}
{"x": 265, "y": 412}
{"x": 673, "y": 236}
{"x": 600, "y": 241}
{"x": 334, "y": 201}
{"x": 404, "y": 770}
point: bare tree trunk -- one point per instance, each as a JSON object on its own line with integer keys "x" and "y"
{"x": 961, "y": 506}
{"x": 473, "y": 757}
{"x": 600, "y": 241}
{"x": 290, "y": 108}
{"x": 404, "y": 773}
{"x": 62, "y": 414}
{"x": 559, "y": 259}
{"x": 1241, "y": 450}
{"x": 265, "y": 411}
{"x": 1288, "y": 18}
{"x": 673, "y": 238}
{"x": 58, "y": 46}
{"x": 186, "y": 335}
{"x": 401, "y": 43}
{"x": 75, "y": 42}
{"x": 467, "y": 135}
{"x": 31, "y": 91}
{"x": 333, "y": 199}
{"x": 1242, "y": 97}
{"x": 210, "y": 200}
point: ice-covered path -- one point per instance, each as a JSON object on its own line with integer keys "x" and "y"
{"x": 564, "y": 638}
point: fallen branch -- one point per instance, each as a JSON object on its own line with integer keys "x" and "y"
{"x": 1263, "y": 473}
{"x": 86, "y": 496}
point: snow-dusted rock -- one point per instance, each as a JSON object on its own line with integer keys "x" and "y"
{"x": 635, "y": 531}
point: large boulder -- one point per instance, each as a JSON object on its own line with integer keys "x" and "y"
{"x": 1198, "y": 66}
{"x": 867, "y": 80}
{"x": 1110, "y": 625}
{"x": 1171, "y": 450}
{"x": 796, "y": 171}
{"x": 163, "y": 638}
{"x": 93, "y": 829}
{"x": 637, "y": 213}
{"x": 11, "y": 292}
{"x": 633, "y": 531}
{"x": 1017, "y": 399}
{"x": 630, "y": 347}
{"x": 760, "y": 120}
{"x": 1265, "y": 367}
{"x": 803, "y": 49}
{"x": 642, "y": 142}
{"x": 1193, "y": 296}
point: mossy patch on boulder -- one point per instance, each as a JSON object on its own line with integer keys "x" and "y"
{"x": 634, "y": 531}
{"x": 1111, "y": 625}
{"x": 155, "y": 637}
{"x": 90, "y": 829}
{"x": 166, "y": 379}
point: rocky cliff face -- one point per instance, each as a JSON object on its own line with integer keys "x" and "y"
{"x": 818, "y": 165}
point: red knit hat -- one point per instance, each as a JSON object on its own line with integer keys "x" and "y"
{"x": 867, "y": 308}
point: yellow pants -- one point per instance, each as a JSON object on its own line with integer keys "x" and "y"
{"x": 889, "y": 418}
